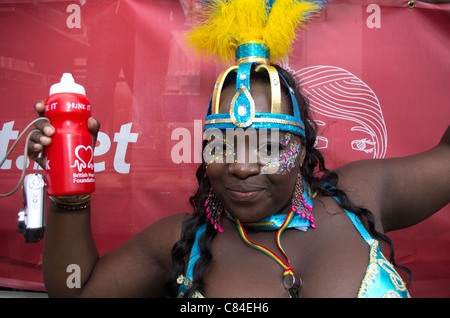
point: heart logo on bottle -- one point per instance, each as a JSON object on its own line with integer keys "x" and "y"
{"x": 82, "y": 153}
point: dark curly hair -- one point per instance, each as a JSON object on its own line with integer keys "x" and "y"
{"x": 313, "y": 170}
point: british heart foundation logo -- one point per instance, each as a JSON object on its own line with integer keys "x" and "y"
{"x": 83, "y": 158}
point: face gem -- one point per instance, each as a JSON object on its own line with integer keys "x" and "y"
{"x": 242, "y": 110}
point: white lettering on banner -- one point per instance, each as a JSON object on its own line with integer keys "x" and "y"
{"x": 6, "y": 134}
{"x": 74, "y": 19}
{"x": 123, "y": 137}
{"x": 374, "y": 20}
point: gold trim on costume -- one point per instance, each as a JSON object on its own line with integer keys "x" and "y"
{"x": 256, "y": 120}
{"x": 252, "y": 107}
{"x": 218, "y": 88}
{"x": 253, "y": 59}
{"x": 275, "y": 87}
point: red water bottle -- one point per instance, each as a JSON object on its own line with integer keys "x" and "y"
{"x": 70, "y": 156}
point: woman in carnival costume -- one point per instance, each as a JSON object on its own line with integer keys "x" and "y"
{"x": 269, "y": 219}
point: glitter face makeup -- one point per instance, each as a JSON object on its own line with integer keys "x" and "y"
{"x": 217, "y": 150}
{"x": 289, "y": 152}
{"x": 274, "y": 157}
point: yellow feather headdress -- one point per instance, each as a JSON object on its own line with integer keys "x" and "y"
{"x": 253, "y": 32}
{"x": 225, "y": 24}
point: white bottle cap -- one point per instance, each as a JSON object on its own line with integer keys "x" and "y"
{"x": 67, "y": 85}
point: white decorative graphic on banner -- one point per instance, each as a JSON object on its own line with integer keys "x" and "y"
{"x": 338, "y": 94}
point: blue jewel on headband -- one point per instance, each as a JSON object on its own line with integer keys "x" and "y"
{"x": 242, "y": 114}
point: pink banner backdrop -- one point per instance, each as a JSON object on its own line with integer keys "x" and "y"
{"x": 376, "y": 72}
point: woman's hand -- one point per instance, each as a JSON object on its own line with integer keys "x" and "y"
{"x": 42, "y": 138}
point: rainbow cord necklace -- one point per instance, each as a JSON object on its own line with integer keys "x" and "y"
{"x": 292, "y": 283}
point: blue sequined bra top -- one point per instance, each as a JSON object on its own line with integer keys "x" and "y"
{"x": 380, "y": 281}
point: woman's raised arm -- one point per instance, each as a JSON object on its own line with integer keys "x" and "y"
{"x": 400, "y": 192}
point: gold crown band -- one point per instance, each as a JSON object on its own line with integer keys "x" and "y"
{"x": 275, "y": 87}
{"x": 218, "y": 88}
{"x": 253, "y": 59}
{"x": 256, "y": 120}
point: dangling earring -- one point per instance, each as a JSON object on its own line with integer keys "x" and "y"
{"x": 302, "y": 200}
{"x": 297, "y": 195}
{"x": 214, "y": 209}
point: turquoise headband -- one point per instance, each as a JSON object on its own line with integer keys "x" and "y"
{"x": 242, "y": 112}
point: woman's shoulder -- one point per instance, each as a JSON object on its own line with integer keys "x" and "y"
{"x": 168, "y": 228}
{"x": 361, "y": 178}
{"x": 363, "y": 183}
{"x": 157, "y": 239}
